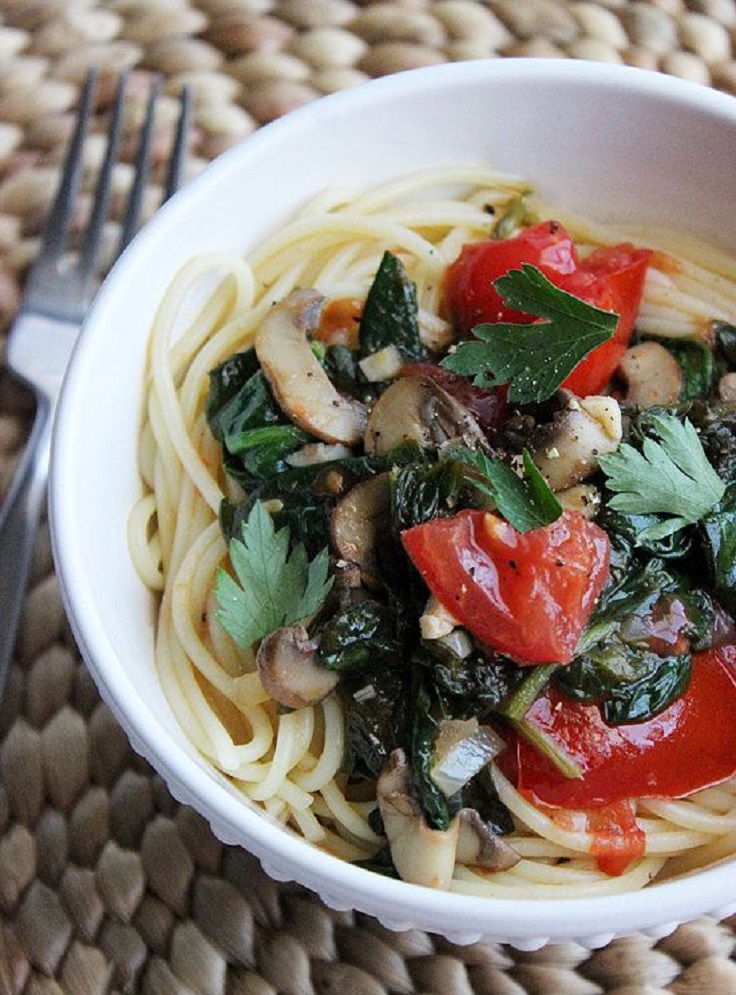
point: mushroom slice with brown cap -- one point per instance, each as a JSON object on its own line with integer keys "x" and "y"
{"x": 416, "y": 409}
{"x": 300, "y": 385}
{"x": 652, "y": 375}
{"x": 566, "y": 450}
{"x": 478, "y": 845}
{"x": 421, "y": 855}
{"x": 289, "y": 670}
{"x": 360, "y": 525}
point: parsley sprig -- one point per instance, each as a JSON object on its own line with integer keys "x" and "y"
{"x": 669, "y": 477}
{"x": 525, "y": 502}
{"x": 274, "y": 587}
{"x": 534, "y": 360}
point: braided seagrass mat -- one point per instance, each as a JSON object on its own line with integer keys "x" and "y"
{"x": 107, "y": 885}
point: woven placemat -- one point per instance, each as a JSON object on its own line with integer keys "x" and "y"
{"x": 106, "y": 883}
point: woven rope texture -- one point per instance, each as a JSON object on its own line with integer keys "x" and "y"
{"x": 106, "y": 884}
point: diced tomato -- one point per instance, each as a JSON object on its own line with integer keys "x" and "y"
{"x": 611, "y": 278}
{"x": 488, "y": 407}
{"x": 617, "y": 838}
{"x": 340, "y": 322}
{"x": 689, "y": 746}
{"x": 469, "y": 291}
{"x": 528, "y": 595}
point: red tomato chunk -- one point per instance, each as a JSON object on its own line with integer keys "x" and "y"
{"x": 611, "y": 278}
{"x": 689, "y": 746}
{"x": 528, "y": 595}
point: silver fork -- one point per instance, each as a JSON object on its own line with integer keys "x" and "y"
{"x": 57, "y": 297}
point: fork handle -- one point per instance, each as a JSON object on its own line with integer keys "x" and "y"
{"x": 19, "y": 518}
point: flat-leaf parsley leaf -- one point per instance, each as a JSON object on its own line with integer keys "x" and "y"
{"x": 525, "y": 502}
{"x": 671, "y": 477}
{"x": 275, "y": 588}
{"x": 534, "y": 360}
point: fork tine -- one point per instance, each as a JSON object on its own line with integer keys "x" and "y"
{"x": 135, "y": 199}
{"x": 56, "y": 229}
{"x": 90, "y": 247}
{"x": 178, "y": 151}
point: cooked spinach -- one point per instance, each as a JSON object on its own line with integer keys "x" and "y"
{"x": 341, "y": 366}
{"x": 617, "y": 667}
{"x": 479, "y": 793}
{"x": 244, "y": 417}
{"x": 716, "y": 425}
{"x": 391, "y": 313}
{"x": 422, "y": 734}
{"x": 307, "y": 494}
{"x": 718, "y": 542}
{"x": 629, "y": 683}
{"x": 629, "y": 527}
{"x": 424, "y": 489}
{"x": 364, "y": 637}
{"x": 375, "y": 710}
{"x": 473, "y": 685}
{"x": 697, "y": 363}
{"x": 226, "y": 382}
{"x": 725, "y": 343}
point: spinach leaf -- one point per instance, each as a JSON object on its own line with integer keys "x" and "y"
{"x": 615, "y": 667}
{"x": 468, "y": 686}
{"x": 260, "y": 453}
{"x": 225, "y": 383}
{"x": 341, "y": 365}
{"x": 631, "y": 684}
{"x": 307, "y": 494}
{"x": 244, "y": 417}
{"x": 716, "y": 425}
{"x": 240, "y": 398}
{"x": 421, "y": 753}
{"x": 391, "y": 313}
{"x": 725, "y": 335}
{"x": 717, "y": 533}
{"x": 479, "y": 793}
{"x": 361, "y": 638}
{"x": 632, "y": 528}
{"x": 423, "y": 490}
{"x": 698, "y": 369}
{"x": 375, "y": 710}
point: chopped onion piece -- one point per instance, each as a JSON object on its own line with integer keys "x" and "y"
{"x": 458, "y": 642}
{"x": 317, "y": 452}
{"x": 434, "y": 332}
{"x": 366, "y": 693}
{"x": 436, "y": 621}
{"x": 463, "y": 749}
{"x": 382, "y": 365}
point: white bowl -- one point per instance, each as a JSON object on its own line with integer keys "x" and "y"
{"x": 613, "y": 142}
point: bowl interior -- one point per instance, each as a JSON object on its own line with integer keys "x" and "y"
{"x": 611, "y": 142}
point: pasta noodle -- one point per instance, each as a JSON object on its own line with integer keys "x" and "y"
{"x": 289, "y": 762}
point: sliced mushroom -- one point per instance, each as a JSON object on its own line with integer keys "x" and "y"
{"x": 727, "y": 387}
{"x": 421, "y": 855}
{"x": 299, "y": 384}
{"x": 566, "y": 450}
{"x": 360, "y": 524}
{"x": 416, "y": 409}
{"x": 652, "y": 375}
{"x": 288, "y": 668}
{"x": 478, "y": 845}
